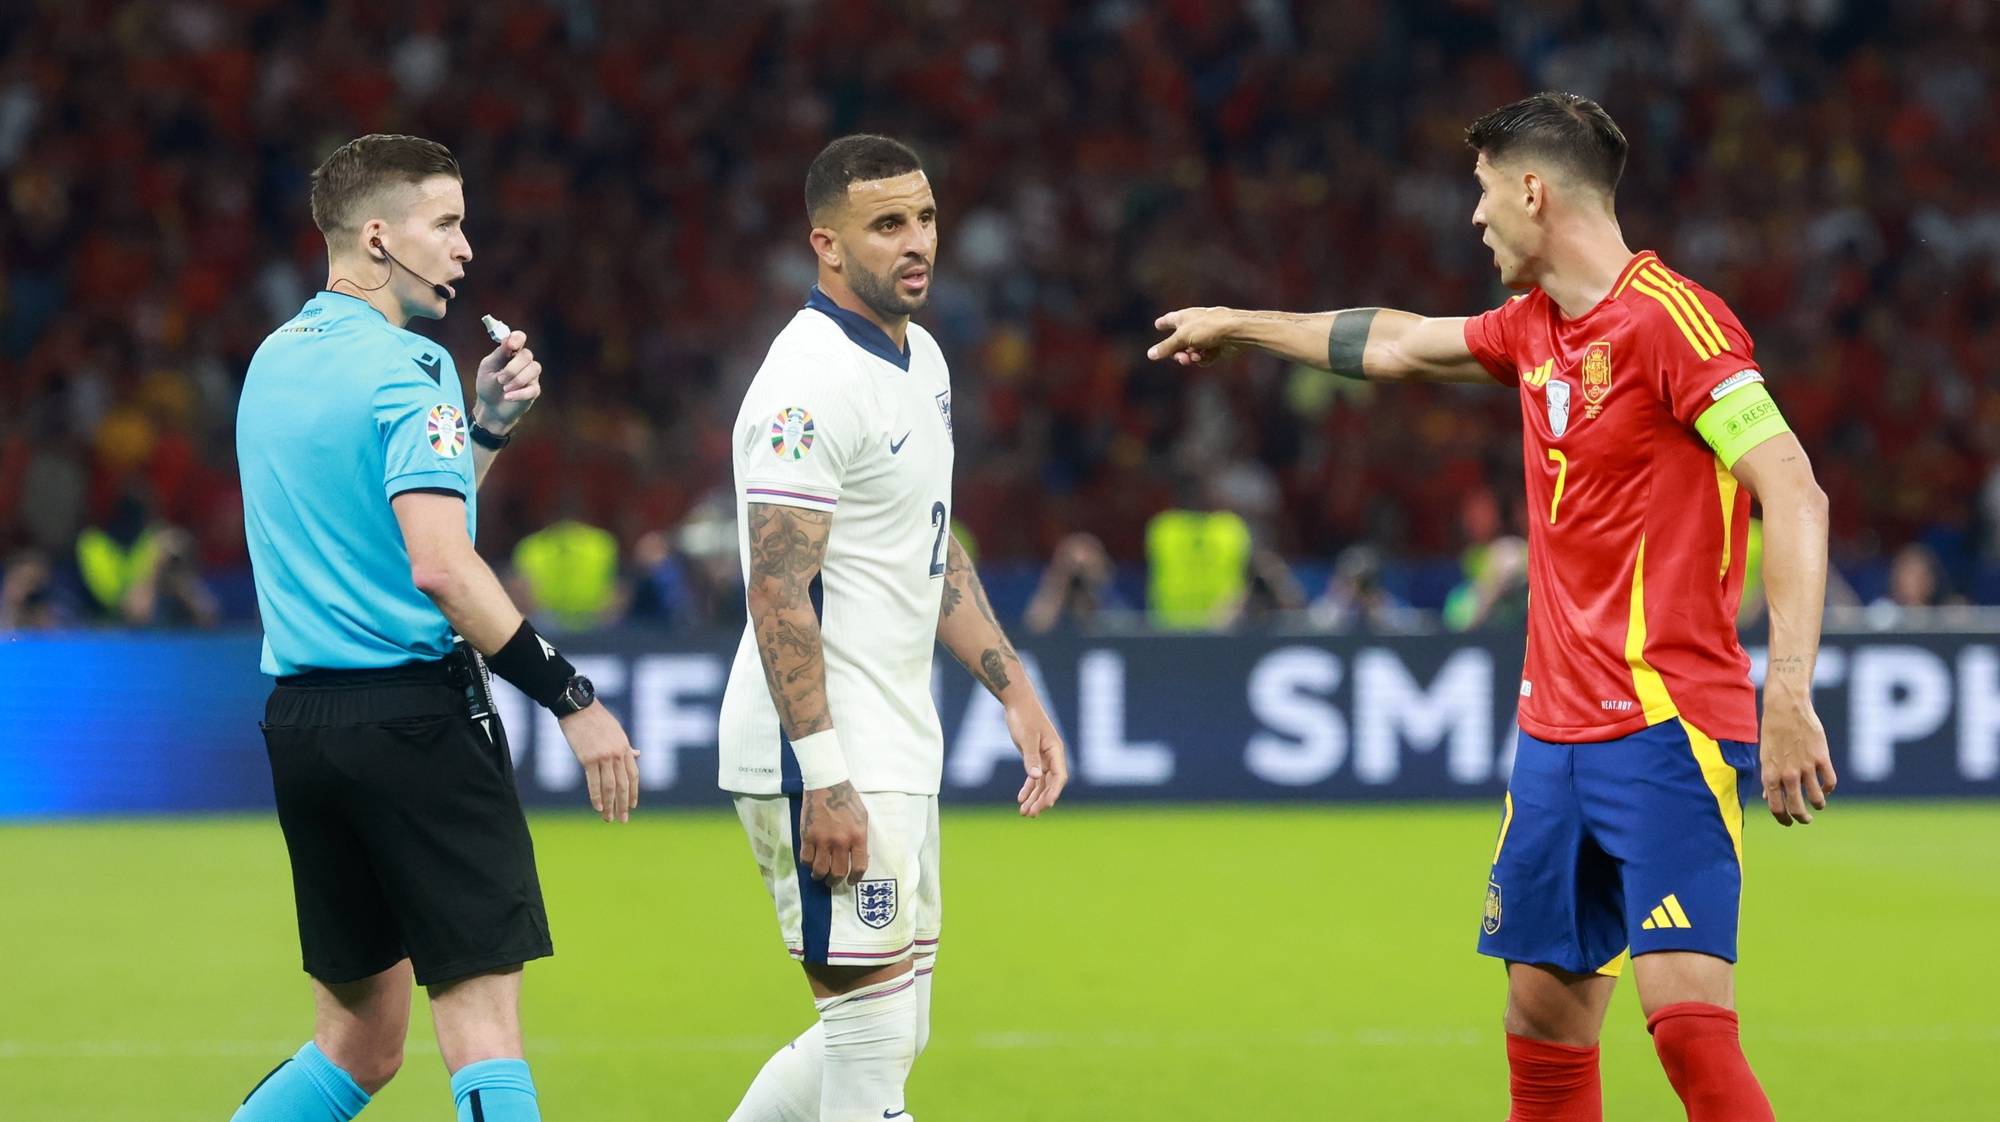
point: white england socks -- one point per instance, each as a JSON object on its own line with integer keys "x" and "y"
{"x": 787, "y": 1089}
{"x": 870, "y": 1043}
{"x": 923, "y": 1002}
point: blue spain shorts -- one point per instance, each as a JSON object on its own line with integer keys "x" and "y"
{"x": 1630, "y": 843}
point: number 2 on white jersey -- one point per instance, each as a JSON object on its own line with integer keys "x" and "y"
{"x": 943, "y": 525}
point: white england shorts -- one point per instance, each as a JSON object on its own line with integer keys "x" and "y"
{"x": 894, "y": 912}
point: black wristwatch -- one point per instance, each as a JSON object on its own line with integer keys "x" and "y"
{"x": 488, "y": 439}
{"x": 577, "y": 694}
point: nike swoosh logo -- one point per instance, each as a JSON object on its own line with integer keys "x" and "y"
{"x": 896, "y": 446}
{"x": 893, "y": 1114}
{"x": 433, "y": 366}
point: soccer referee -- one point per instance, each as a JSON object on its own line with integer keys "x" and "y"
{"x": 410, "y": 856}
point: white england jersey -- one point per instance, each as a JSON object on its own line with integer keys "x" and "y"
{"x": 838, "y": 420}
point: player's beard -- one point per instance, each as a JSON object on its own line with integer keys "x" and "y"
{"x": 882, "y": 295}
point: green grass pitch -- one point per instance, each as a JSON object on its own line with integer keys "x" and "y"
{"x": 1216, "y": 963}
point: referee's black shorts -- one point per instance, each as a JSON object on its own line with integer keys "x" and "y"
{"x": 404, "y": 826}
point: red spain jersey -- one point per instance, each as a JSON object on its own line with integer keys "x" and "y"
{"x": 1636, "y": 530}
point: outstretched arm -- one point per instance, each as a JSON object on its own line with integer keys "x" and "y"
{"x": 969, "y": 630}
{"x": 1377, "y": 344}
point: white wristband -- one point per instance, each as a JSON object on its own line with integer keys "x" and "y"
{"x": 821, "y": 763}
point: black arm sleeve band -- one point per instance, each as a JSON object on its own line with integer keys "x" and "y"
{"x": 531, "y": 665}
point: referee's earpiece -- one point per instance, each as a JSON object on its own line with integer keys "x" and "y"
{"x": 443, "y": 292}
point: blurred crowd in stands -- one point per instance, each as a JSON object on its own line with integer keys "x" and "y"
{"x": 634, "y": 175}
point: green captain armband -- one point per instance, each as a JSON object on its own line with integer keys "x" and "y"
{"x": 1744, "y": 418}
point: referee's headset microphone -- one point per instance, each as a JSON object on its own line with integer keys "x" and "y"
{"x": 443, "y": 292}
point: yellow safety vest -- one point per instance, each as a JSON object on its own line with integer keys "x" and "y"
{"x": 1198, "y": 565}
{"x": 109, "y": 569}
{"x": 572, "y": 569}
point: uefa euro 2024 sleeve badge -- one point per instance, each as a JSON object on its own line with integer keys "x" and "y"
{"x": 1490, "y": 922}
{"x": 944, "y": 407}
{"x": 875, "y": 901}
{"x": 446, "y": 428}
{"x": 792, "y": 433}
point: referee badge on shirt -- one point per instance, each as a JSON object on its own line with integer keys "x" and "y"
{"x": 792, "y": 433}
{"x": 446, "y": 428}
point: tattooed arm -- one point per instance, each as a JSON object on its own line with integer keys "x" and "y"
{"x": 1376, "y": 344}
{"x": 970, "y": 631}
{"x": 787, "y": 546}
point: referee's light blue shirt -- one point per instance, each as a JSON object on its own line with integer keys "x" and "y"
{"x": 341, "y": 412}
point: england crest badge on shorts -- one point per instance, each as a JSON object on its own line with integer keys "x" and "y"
{"x": 1490, "y": 922}
{"x": 875, "y": 901}
{"x": 1558, "y": 394}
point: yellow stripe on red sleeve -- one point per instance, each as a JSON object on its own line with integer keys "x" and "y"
{"x": 1702, "y": 349}
{"x": 1697, "y": 312}
{"x": 1632, "y": 270}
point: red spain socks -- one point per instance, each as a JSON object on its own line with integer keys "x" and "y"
{"x": 1552, "y": 1082}
{"x": 1698, "y": 1046}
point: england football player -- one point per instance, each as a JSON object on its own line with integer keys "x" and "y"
{"x": 830, "y": 740}
{"x": 411, "y": 861}
{"x": 1644, "y": 417}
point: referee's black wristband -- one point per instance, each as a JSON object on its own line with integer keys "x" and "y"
{"x": 531, "y": 665}
{"x": 488, "y": 439}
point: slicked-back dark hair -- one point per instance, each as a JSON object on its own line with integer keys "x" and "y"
{"x": 1568, "y": 128}
{"x": 854, "y": 159}
{"x": 367, "y": 164}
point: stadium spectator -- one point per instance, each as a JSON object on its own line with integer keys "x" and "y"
{"x": 662, "y": 595}
{"x": 1831, "y": 175}
{"x": 690, "y": 578}
{"x": 1918, "y": 595}
{"x": 30, "y": 597}
{"x": 1272, "y": 595}
{"x": 1355, "y": 600}
{"x": 1989, "y": 502}
{"x": 1076, "y": 588}
{"x": 140, "y": 572}
{"x": 569, "y": 570}
{"x": 1198, "y": 569}
{"x": 54, "y": 484}
{"x": 1495, "y": 593}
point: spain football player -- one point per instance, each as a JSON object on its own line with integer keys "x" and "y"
{"x": 1644, "y": 418}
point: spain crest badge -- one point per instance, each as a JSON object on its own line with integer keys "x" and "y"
{"x": 1596, "y": 376}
